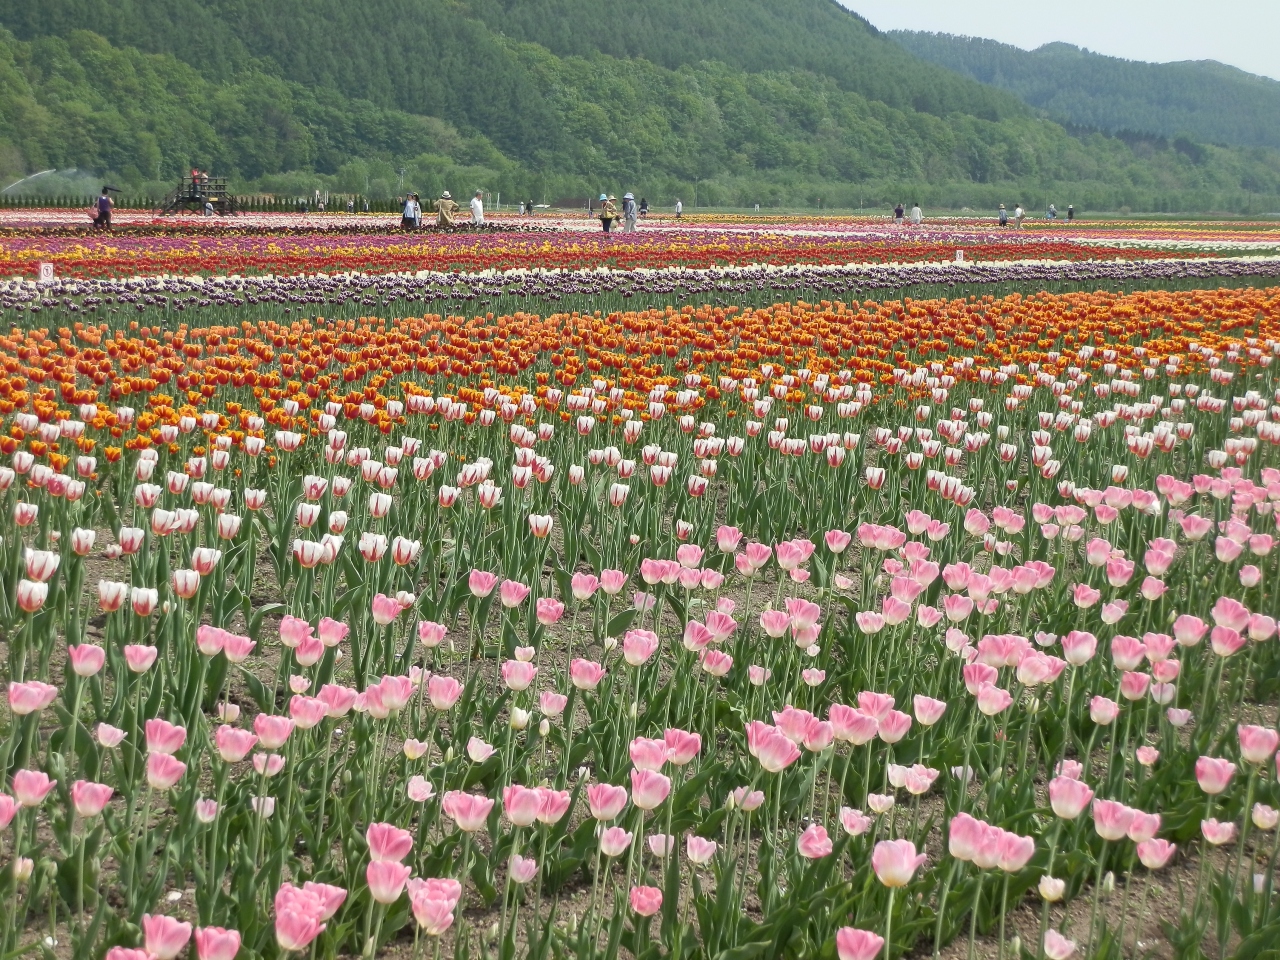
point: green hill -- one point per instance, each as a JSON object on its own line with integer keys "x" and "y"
{"x": 772, "y": 101}
{"x": 1201, "y": 100}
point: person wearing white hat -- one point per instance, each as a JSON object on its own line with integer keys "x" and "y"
{"x": 628, "y": 213}
{"x": 445, "y": 209}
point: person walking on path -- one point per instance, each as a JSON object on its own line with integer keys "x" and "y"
{"x": 1017, "y": 217}
{"x": 916, "y": 214}
{"x": 1071, "y": 213}
{"x": 445, "y": 209}
{"x": 1004, "y": 216}
{"x": 628, "y": 213}
{"x": 410, "y": 215}
{"x": 898, "y": 214}
{"x": 477, "y": 209}
{"x": 679, "y": 209}
{"x": 644, "y": 207}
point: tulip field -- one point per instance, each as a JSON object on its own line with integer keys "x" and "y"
{"x": 737, "y": 592}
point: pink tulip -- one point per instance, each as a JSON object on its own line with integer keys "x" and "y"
{"x": 139, "y": 658}
{"x": 1217, "y": 833}
{"x": 993, "y": 700}
{"x": 583, "y": 586}
{"x": 552, "y": 704}
{"x": 854, "y": 944}
{"x": 1226, "y": 641}
{"x": 854, "y": 822}
{"x": 467, "y": 810}
{"x": 385, "y": 609}
{"x": 614, "y": 841}
{"x": 773, "y": 749}
{"x": 1230, "y": 613}
{"x": 895, "y": 862}
{"x": 1112, "y": 819}
{"x": 479, "y": 751}
{"x": 1257, "y": 744}
{"x": 164, "y": 737}
{"x": 164, "y": 937}
{"x": 554, "y": 804}
{"x": 388, "y": 842}
{"x": 649, "y": 788}
{"x": 549, "y": 611}
{"x": 443, "y": 692}
{"x": 386, "y": 879}
{"x": 517, "y": 675}
{"x": 1103, "y": 710}
{"x": 612, "y": 581}
{"x": 894, "y": 726}
{"x": 649, "y": 754}
{"x": 30, "y": 787}
{"x": 814, "y": 842}
{"x": 31, "y": 697}
{"x": 1079, "y": 647}
{"x": 585, "y": 674}
{"x": 957, "y": 607}
{"x": 1015, "y": 852}
{"x": 1133, "y": 686}
{"x": 272, "y": 731}
{"x": 522, "y": 869}
{"x": 1214, "y": 774}
{"x": 108, "y": 736}
{"x": 234, "y": 647}
{"x": 976, "y": 675}
{"x": 164, "y": 771}
{"x": 646, "y": 901}
{"x": 521, "y": 805}
{"x": 512, "y": 593}
{"x": 682, "y": 746}
{"x": 638, "y": 646}
{"x": 86, "y": 659}
{"x": 1057, "y": 947}
{"x": 837, "y": 540}
{"x": 90, "y": 798}
{"x": 606, "y": 801}
{"x": 1144, "y": 826}
{"x": 1069, "y": 797}
{"x": 717, "y": 663}
{"x": 851, "y": 725}
{"x": 699, "y": 850}
{"x": 1084, "y": 595}
{"x": 216, "y": 943}
{"x": 1155, "y": 854}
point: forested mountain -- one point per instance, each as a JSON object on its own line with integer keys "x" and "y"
{"x": 742, "y": 101}
{"x": 1202, "y": 100}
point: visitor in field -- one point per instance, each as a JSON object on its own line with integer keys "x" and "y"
{"x": 445, "y": 209}
{"x": 1018, "y": 214}
{"x": 1053, "y": 212}
{"x": 679, "y": 209}
{"x": 477, "y": 209}
{"x": 409, "y": 218}
{"x": 103, "y": 220}
{"x": 608, "y": 211}
{"x": 628, "y": 213}
{"x": 1071, "y": 213}
{"x": 644, "y": 207}
{"x": 917, "y": 214}
{"x": 1004, "y": 216}
{"x": 898, "y": 213}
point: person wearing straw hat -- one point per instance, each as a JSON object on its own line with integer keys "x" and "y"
{"x": 445, "y": 209}
{"x": 628, "y": 213}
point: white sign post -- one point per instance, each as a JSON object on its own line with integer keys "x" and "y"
{"x": 46, "y": 273}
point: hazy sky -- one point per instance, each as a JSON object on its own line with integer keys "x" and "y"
{"x": 1243, "y": 33}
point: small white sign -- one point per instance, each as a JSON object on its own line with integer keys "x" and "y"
{"x": 959, "y": 256}
{"x": 46, "y": 273}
